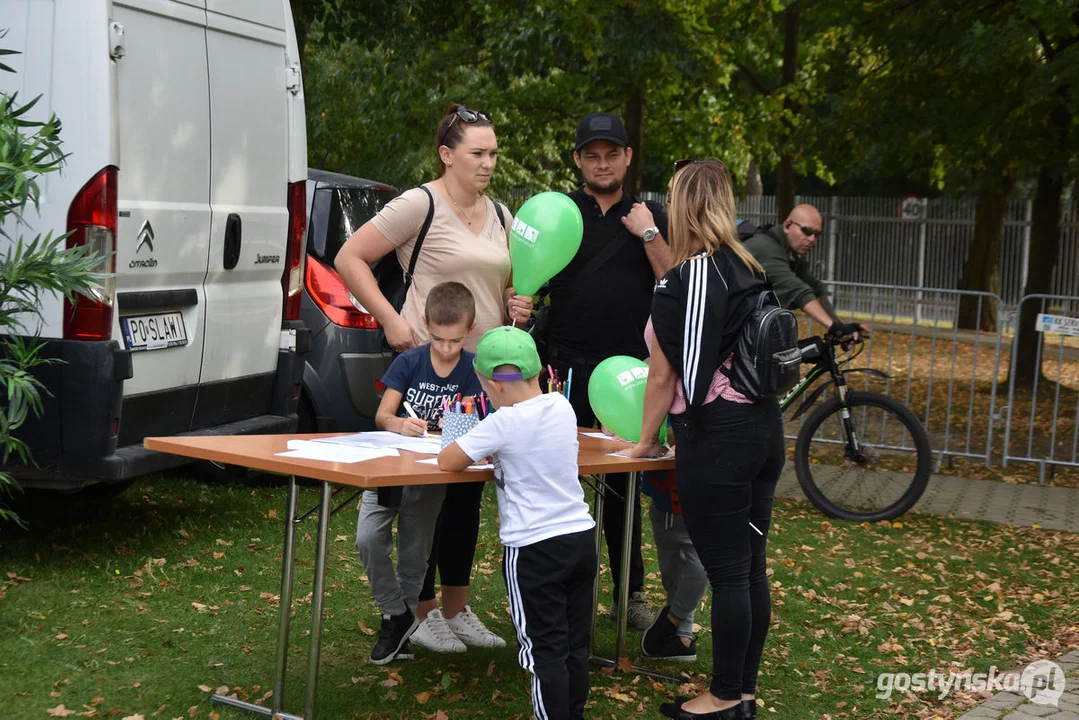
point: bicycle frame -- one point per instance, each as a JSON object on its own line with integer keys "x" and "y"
{"x": 825, "y": 365}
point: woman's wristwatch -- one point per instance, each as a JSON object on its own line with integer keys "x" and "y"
{"x": 649, "y": 234}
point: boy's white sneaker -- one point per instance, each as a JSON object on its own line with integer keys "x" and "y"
{"x": 434, "y": 634}
{"x": 469, "y": 630}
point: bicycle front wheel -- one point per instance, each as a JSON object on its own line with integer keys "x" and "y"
{"x": 871, "y": 466}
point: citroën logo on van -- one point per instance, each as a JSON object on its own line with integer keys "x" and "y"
{"x": 146, "y": 236}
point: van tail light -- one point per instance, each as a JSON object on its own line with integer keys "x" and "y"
{"x": 292, "y": 279}
{"x": 329, "y": 292}
{"x": 91, "y": 222}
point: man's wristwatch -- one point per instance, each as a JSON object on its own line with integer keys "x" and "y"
{"x": 650, "y": 234}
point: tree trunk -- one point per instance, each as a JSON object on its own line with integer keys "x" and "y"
{"x": 785, "y": 190}
{"x": 635, "y": 131}
{"x": 981, "y": 272}
{"x": 1044, "y": 249}
{"x": 754, "y": 186}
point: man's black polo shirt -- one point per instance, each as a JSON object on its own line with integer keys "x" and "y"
{"x": 603, "y": 312}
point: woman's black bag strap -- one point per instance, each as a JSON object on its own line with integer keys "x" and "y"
{"x": 419, "y": 240}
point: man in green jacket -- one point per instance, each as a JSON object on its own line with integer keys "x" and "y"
{"x": 781, "y": 251}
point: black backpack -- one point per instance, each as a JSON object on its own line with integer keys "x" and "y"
{"x": 766, "y": 356}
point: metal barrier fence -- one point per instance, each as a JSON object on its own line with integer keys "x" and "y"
{"x": 962, "y": 383}
{"x": 947, "y": 375}
{"x": 866, "y": 240}
{"x": 1043, "y": 411}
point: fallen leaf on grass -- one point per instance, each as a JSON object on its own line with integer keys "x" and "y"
{"x": 206, "y": 688}
{"x": 625, "y": 665}
{"x": 365, "y": 629}
{"x": 60, "y": 711}
{"x": 62, "y": 636}
{"x": 134, "y": 717}
{"x": 389, "y": 682}
{"x": 490, "y": 668}
{"x": 423, "y": 697}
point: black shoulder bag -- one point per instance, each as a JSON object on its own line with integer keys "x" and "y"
{"x": 392, "y": 279}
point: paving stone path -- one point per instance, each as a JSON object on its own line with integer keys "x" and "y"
{"x": 1053, "y": 508}
{"x": 1009, "y": 706}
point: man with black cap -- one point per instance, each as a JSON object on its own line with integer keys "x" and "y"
{"x": 600, "y": 304}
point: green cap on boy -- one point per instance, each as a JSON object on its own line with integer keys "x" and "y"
{"x": 507, "y": 346}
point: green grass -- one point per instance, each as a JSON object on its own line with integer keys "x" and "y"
{"x": 136, "y": 606}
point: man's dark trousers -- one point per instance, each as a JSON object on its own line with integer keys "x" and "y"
{"x": 614, "y": 510}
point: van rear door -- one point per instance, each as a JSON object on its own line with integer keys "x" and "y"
{"x": 249, "y": 144}
{"x": 163, "y": 233}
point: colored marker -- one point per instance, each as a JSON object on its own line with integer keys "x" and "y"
{"x": 569, "y": 382}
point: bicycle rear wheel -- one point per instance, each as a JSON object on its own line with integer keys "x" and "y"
{"x": 879, "y": 473}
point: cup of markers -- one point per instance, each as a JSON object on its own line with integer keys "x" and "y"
{"x": 554, "y": 384}
{"x": 461, "y": 414}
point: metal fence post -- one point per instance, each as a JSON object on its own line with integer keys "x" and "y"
{"x": 923, "y": 225}
{"x": 1024, "y": 262}
{"x": 833, "y": 220}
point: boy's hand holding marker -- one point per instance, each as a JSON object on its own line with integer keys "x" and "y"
{"x": 412, "y": 426}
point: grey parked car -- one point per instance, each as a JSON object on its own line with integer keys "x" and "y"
{"x": 341, "y": 380}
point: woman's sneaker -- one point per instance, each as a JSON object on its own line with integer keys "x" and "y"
{"x": 435, "y": 635}
{"x": 392, "y": 636}
{"x": 471, "y": 631}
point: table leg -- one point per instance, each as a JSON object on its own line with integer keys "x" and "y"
{"x": 600, "y": 489}
{"x": 630, "y": 500}
{"x": 623, "y": 599}
{"x": 317, "y": 593}
{"x": 284, "y": 612}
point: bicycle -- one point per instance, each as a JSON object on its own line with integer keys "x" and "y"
{"x": 866, "y": 433}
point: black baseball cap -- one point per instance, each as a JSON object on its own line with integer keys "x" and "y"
{"x": 601, "y": 126}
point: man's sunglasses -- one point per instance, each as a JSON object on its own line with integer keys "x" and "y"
{"x": 806, "y": 230}
{"x": 467, "y": 116}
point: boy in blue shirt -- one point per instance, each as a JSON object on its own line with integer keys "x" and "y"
{"x": 423, "y": 377}
{"x": 549, "y": 558}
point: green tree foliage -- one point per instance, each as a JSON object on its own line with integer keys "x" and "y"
{"x": 29, "y": 269}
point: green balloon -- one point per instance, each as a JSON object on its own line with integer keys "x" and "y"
{"x": 545, "y": 235}
{"x": 616, "y": 394}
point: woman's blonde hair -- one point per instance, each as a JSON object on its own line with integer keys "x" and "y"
{"x": 702, "y": 213}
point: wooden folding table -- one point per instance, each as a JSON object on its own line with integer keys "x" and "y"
{"x": 260, "y": 452}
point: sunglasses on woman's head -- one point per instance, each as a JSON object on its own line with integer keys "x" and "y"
{"x": 679, "y": 164}
{"x": 466, "y": 115}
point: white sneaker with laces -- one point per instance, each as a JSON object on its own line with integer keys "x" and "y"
{"x": 434, "y": 634}
{"x": 471, "y": 631}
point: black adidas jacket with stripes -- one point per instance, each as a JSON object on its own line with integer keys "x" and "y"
{"x": 697, "y": 312}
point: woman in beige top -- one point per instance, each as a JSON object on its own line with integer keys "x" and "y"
{"x": 467, "y": 243}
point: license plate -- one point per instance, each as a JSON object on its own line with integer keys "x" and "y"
{"x": 154, "y": 332}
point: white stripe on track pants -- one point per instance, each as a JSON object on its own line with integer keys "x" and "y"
{"x": 550, "y": 591}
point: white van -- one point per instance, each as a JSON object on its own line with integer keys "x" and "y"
{"x": 184, "y": 120}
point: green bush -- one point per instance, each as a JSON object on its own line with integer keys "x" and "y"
{"x": 29, "y": 269}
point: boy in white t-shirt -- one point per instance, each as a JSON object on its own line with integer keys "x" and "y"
{"x": 549, "y": 560}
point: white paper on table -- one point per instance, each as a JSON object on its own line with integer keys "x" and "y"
{"x": 311, "y": 450}
{"x": 385, "y": 439}
{"x": 622, "y": 454}
{"x": 434, "y": 461}
{"x": 599, "y": 435}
